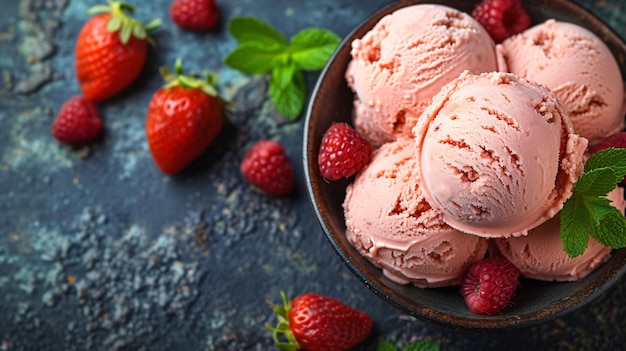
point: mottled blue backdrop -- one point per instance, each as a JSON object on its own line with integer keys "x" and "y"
{"x": 100, "y": 251}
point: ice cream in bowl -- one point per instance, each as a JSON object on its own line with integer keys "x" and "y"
{"x": 478, "y": 144}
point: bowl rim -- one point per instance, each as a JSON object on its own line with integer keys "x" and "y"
{"x": 380, "y": 285}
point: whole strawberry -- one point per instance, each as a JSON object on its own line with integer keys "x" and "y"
{"x": 267, "y": 167}
{"x": 110, "y": 50}
{"x": 199, "y": 15}
{"x": 502, "y": 18}
{"x": 313, "y": 322}
{"x": 183, "y": 118}
{"x": 343, "y": 152}
{"x": 78, "y": 121}
{"x": 489, "y": 285}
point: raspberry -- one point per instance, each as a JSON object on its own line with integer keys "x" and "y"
{"x": 77, "y": 121}
{"x": 489, "y": 285}
{"x": 502, "y": 18}
{"x": 616, "y": 140}
{"x": 199, "y": 15}
{"x": 267, "y": 167}
{"x": 343, "y": 152}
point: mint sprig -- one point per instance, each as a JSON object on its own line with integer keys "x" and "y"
{"x": 588, "y": 212}
{"x": 422, "y": 345}
{"x": 263, "y": 50}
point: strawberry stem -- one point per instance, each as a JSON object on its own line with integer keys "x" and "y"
{"x": 282, "y": 335}
{"x": 126, "y": 25}
{"x": 189, "y": 81}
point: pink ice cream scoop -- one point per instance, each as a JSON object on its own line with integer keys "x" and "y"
{"x": 540, "y": 254}
{"x": 580, "y": 69}
{"x": 405, "y": 59}
{"x": 390, "y": 223}
{"x": 497, "y": 154}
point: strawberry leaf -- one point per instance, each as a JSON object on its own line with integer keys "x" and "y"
{"x": 114, "y": 24}
{"x": 312, "y": 47}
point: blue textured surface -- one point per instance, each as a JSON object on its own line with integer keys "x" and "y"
{"x": 99, "y": 250}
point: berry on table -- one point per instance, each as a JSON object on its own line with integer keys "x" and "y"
{"x": 313, "y": 322}
{"x": 343, "y": 152}
{"x": 200, "y": 15}
{"x": 267, "y": 167}
{"x": 489, "y": 285}
{"x": 502, "y": 18}
{"x": 184, "y": 117}
{"x": 78, "y": 121}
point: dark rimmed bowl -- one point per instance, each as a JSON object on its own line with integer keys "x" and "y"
{"x": 535, "y": 301}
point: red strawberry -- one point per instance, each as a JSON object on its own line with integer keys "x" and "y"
{"x": 78, "y": 121}
{"x": 312, "y": 322}
{"x": 489, "y": 285}
{"x": 198, "y": 15}
{"x": 343, "y": 152}
{"x": 110, "y": 50}
{"x": 502, "y": 18}
{"x": 266, "y": 166}
{"x": 183, "y": 118}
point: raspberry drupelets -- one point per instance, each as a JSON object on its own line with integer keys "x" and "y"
{"x": 502, "y": 18}
{"x": 78, "y": 121}
{"x": 489, "y": 285}
{"x": 343, "y": 152}
{"x": 267, "y": 167}
{"x": 199, "y": 15}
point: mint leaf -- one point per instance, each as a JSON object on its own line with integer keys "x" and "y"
{"x": 611, "y": 157}
{"x": 597, "y": 182}
{"x": 576, "y": 225}
{"x": 253, "y": 59}
{"x": 423, "y": 345}
{"x": 255, "y": 31}
{"x": 611, "y": 231}
{"x": 385, "y": 346}
{"x": 312, "y": 47}
{"x": 288, "y": 90}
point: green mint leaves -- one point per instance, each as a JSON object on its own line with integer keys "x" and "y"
{"x": 423, "y": 345}
{"x": 263, "y": 50}
{"x": 587, "y": 212}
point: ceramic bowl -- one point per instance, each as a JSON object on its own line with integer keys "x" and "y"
{"x": 535, "y": 301}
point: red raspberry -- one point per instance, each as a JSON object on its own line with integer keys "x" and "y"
{"x": 200, "y": 15}
{"x": 489, "y": 285}
{"x": 343, "y": 152}
{"x": 616, "y": 140}
{"x": 266, "y": 166}
{"x": 502, "y": 18}
{"x": 78, "y": 121}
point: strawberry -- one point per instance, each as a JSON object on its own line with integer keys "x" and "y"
{"x": 200, "y": 15}
{"x": 266, "y": 166}
{"x": 184, "y": 117}
{"x": 313, "y": 322}
{"x": 110, "y": 50}
{"x": 489, "y": 285}
{"x": 343, "y": 152}
{"x": 502, "y": 18}
{"x": 77, "y": 121}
